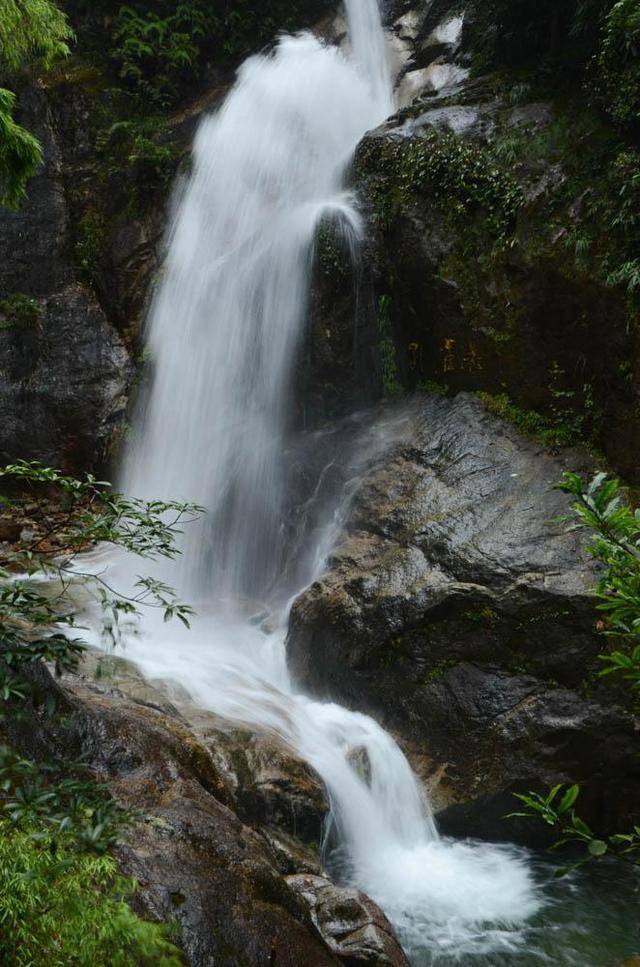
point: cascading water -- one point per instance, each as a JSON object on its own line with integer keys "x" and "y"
{"x": 225, "y": 325}
{"x": 227, "y": 318}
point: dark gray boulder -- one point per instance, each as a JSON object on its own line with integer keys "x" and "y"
{"x": 461, "y": 616}
{"x": 64, "y": 376}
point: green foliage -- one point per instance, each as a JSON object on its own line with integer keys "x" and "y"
{"x": 588, "y": 223}
{"x": 618, "y": 63}
{"x": 391, "y": 385}
{"x": 615, "y": 542}
{"x": 20, "y": 154}
{"x": 159, "y": 46}
{"x": 20, "y": 310}
{"x": 31, "y": 31}
{"x": 38, "y": 617}
{"x": 91, "y": 239}
{"x": 433, "y": 387}
{"x": 513, "y": 32}
{"x": 560, "y": 429}
{"x": 556, "y": 810}
{"x": 132, "y": 146}
{"x": 58, "y": 802}
{"x": 615, "y": 530}
{"x": 156, "y": 52}
{"x": 61, "y": 902}
{"x": 464, "y": 178}
{"x": 564, "y": 37}
{"x": 64, "y": 908}
{"x": 612, "y": 229}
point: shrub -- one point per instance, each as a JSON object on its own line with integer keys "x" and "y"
{"x": 20, "y": 154}
{"x": 618, "y": 63}
{"x": 61, "y": 902}
{"x": 156, "y": 52}
{"x": 20, "y": 310}
{"x": 63, "y": 908}
{"x": 516, "y": 32}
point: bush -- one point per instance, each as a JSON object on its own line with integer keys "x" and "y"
{"x": 62, "y": 908}
{"x": 155, "y": 52}
{"x": 618, "y": 63}
{"x": 20, "y": 310}
{"x": 517, "y": 32}
{"x": 159, "y": 46}
{"x": 134, "y": 147}
{"x": 20, "y": 154}
{"x": 61, "y": 902}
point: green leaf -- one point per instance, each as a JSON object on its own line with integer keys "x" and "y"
{"x": 598, "y": 847}
{"x": 552, "y": 794}
{"x": 568, "y": 799}
{"x": 581, "y": 827}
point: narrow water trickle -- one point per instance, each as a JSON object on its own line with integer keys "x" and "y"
{"x": 224, "y": 329}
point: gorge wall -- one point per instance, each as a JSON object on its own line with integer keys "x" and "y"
{"x": 484, "y": 271}
{"x": 489, "y": 308}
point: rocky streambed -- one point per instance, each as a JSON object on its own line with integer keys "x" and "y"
{"x": 227, "y": 824}
{"x": 457, "y": 611}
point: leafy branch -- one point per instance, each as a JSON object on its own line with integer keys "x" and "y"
{"x": 615, "y": 542}
{"x": 557, "y": 811}
{"x": 40, "y": 607}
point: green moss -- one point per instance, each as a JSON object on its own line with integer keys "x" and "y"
{"x": 486, "y": 617}
{"x": 534, "y": 424}
{"x": 462, "y": 177}
{"x": 545, "y": 614}
{"x": 330, "y": 251}
{"x": 518, "y": 663}
{"x": 391, "y": 385}
{"x": 20, "y": 311}
{"x": 438, "y": 670}
{"x": 433, "y": 387}
{"x": 92, "y": 238}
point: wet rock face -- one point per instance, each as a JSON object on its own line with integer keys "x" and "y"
{"x": 194, "y": 859}
{"x": 63, "y": 382}
{"x": 64, "y": 371}
{"x": 225, "y": 839}
{"x": 33, "y": 238}
{"x": 337, "y": 370}
{"x": 461, "y": 618}
{"x": 466, "y": 310}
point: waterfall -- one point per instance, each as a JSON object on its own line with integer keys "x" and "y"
{"x": 224, "y": 328}
{"x": 228, "y": 315}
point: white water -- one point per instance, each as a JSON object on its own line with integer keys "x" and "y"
{"x": 224, "y": 329}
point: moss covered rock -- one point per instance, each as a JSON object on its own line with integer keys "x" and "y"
{"x": 503, "y": 247}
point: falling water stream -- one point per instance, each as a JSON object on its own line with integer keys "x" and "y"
{"x": 213, "y": 428}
